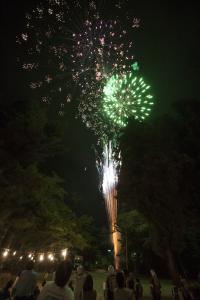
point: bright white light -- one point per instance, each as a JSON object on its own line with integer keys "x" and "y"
{"x": 14, "y": 253}
{"x": 21, "y": 257}
{"x": 111, "y": 166}
{"x": 110, "y": 180}
{"x": 64, "y": 253}
{"x": 50, "y": 257}
{"x": 41, "y": 257}
{"x": 5, "y": 253}
{"x": 110, "y": 177}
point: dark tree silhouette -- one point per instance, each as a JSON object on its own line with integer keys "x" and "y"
{"x": 160, "y": 171}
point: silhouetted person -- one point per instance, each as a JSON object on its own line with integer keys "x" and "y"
{"x": 79, "y": 281}
{"x": 88, "y": 292}
{"x": 130, "y": 282}
{"x": 155, "y": 286}
{"x": 121, "y": 292}
{"x": 175, "y": 293}
{"x": 184, "y": 289}
{"x": 138, "y": 290}
{"x": 59, "y": 289}
{"x": 110, "y": 284}
{"x": 6, "y": 291}
{"x": 26, "y": 283}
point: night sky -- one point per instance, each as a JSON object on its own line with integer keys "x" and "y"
{"x": 166, "y": 47}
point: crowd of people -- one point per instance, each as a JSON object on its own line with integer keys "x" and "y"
{"x": 78, "y": 285}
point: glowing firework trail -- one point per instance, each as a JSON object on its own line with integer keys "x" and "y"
{"x": 125, "y": 95}
{"x": 110, "y": 180}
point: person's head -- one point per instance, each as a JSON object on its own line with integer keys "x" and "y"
{"x": 88, "y": 283}
{"x": 29, "y": 265}
{"x": 63, "y": 273}
{"x": 111, "y": 269}
{"x": 80, "y": 270}
{"x": 153, "y": 273}
{"x": 120, "y": 280}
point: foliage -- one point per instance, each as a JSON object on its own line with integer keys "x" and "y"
{"x": 137, "y": 227}
{"x": 33, "y": 202}
{"x": 159, "y": 175}
{"x": 27, "y": 135}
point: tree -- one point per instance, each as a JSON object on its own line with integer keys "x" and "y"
{"x": 159, "y": 177}
{"x": 27, "y": 134}
{"x": 32, "y": 202}
{"x": 135, "y": 236}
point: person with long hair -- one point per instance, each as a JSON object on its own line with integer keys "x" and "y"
{"x": 88, "y": 292}
{"x": 58, "y": 289}
{"x": 121, "y": 292}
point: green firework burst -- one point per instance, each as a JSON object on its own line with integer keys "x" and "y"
{"x": 125, "y": 96}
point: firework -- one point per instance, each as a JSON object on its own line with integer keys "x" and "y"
{"x": 109, "y": 185}
{"x": 102, "y": 48}
{"x": 73, "y": 46}
{"x": 126, "y": 95}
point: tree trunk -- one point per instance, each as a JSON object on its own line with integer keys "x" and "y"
{"x": 172, "y": 267}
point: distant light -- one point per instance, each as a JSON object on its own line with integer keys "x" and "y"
{"x": 64, "y": 253}
{"x": 14, "y": 253}
{"x": 30, "y": 256}
{"x": 50, "y": 257}
{"x": 5, "y": 253}
{"x": 109, "y": 250}
{"x": 41, "y": 257}
{"x": 21, "y": 257}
